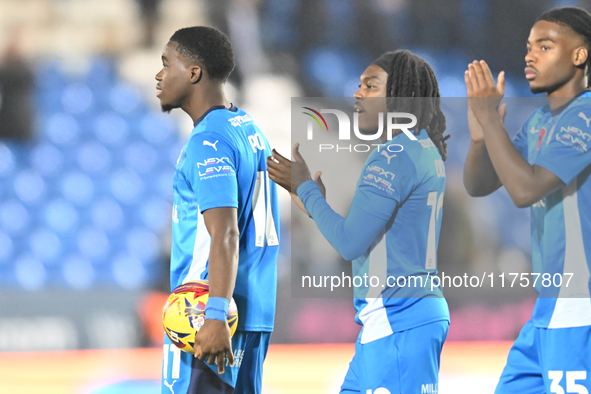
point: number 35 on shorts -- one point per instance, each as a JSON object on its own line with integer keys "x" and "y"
{"x": 571, "y": 382}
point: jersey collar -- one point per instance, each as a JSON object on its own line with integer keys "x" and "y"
{"x": 232, "y": 108}
{"x": 558, "y": 110}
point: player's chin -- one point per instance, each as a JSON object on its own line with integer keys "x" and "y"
{"x": 166, "y": 107}
{"x": 537, "y": 88}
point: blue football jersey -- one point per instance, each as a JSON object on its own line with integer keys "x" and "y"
{"x": 561, "y": 221}
{"x": 223, "y": 164}
{"x": 402, "y": 191}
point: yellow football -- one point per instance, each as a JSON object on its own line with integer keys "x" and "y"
{"x": 184, "y": 314}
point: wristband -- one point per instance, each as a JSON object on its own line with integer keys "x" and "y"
{"x": 217, "y": 308}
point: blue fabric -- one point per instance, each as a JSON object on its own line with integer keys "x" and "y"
{"x": 547, "y": 360}
{"x": 404, "y": 362}
{"x": 560, "y": 142}
{"x": 223, "y": 164}
{"x": 395, "y": 216}
{"x": 196, "y": 377}
{"x": 217, "y": 308}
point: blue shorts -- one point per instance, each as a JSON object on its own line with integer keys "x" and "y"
{"x": 553, "y": 361}
{"x": 403, "y": 362}
{"x": 183, "y": 373}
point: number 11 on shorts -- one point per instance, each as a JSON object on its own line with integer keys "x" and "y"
{"x": 571, "y": 385}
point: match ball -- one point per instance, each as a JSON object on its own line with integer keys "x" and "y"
{"x": 184, "y": 314}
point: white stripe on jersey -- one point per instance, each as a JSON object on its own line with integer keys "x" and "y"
{"x": 570, "y": 311}
{"x": 272, "y": 238}
{"x": 375, "y": 321}
{"x": 374, "y": 316}
{"x": 200, "y": 250}
{"x": 258, "y": 209}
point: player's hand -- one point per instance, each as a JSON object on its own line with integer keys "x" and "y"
{"x": 213, "y": 341}
{"x": 286, "y": 173}
{"x": 299, "y": 202}
{"x": 474, "y": 125}
{"x": 484, "y": 95}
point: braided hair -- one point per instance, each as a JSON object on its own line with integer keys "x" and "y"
{"x": 579, "y": 21}
{"x": 410, "y": 76}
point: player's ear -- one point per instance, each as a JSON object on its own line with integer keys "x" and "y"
{"x": 196, "y": 73}
{"x": 580, "y": 56}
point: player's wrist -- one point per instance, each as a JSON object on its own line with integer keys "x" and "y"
{"x": 217, "y": 308}
{"x": 305, "y": 186}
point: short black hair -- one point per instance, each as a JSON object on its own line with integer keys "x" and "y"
{"x": 579, "y": 21}
{"x": 410, "y": 76}
{"x": 209, "y": 47}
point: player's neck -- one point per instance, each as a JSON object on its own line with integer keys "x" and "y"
{"x": 566, "y": 92}
{"x": 203, "y": 99}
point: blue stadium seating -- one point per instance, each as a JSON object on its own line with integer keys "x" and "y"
{"x": 86, "y": 204}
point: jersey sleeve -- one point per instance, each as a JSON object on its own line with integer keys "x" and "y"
{"x": 353, "y": 235}
{"x": 386, "y": 181}
{"x": 568, "y": 150}
{"x": 520, "y": 141}
{"x": 210, "y": 168}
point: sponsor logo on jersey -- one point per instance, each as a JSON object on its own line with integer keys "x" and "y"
{"x": 575, "y": 137}
{"x": 533, "y": 130}
{"x": 214, "y": 160}
{"x": 238, "y": 120}
{"x": 379, "y": 182}
{"x": 576, "y": 132}
{"x": 215, "y": 170}
{"x": 207, "y": 143}
{"x": 380, "y": 171}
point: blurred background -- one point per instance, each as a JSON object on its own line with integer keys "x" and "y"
{"x": 87, "y": 158}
